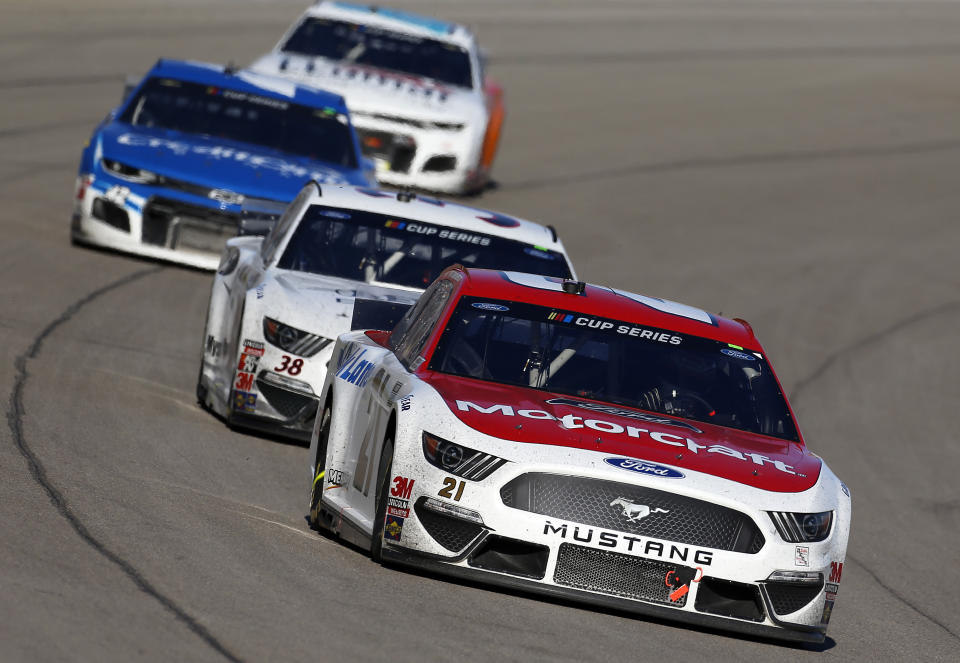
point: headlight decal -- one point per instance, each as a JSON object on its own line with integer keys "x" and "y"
{"x": 458, "y": 459}
{"x": 802, "y": 527}
{"x": 293, "y": 340}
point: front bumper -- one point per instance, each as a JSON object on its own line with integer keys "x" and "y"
{"x": 686, "y": 582}
{"x": 151, "y": 222}
{"x": 442, "y": 160}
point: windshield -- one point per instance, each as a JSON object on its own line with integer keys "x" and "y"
{"x": 364, "y": 246}
{"x": 376, "y": 47}
{"x": 321, "y": 134}
{"x": 618, "y": 362}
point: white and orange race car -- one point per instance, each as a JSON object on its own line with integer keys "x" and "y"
{"x": 417, "y": 89}
{"x": 581, "y": 441}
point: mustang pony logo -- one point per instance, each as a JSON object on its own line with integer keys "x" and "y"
{"x": 634, "y": 511}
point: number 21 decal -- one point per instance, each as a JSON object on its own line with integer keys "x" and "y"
{"x": 449, "y": 483}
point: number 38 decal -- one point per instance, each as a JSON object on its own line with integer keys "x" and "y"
{"x": 290, "y": 365}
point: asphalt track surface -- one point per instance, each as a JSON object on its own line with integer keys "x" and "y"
{"x": 795, "y": 164}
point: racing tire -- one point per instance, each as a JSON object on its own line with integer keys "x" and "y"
{"x": 383, "y": 491}
{"x": 319, "y": 467}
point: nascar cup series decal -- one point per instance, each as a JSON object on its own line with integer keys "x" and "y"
{"x": 644, "y": 467}
{"x": 487, "y": 306}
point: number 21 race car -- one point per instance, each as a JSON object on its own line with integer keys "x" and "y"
{"x": 581, "y": 441}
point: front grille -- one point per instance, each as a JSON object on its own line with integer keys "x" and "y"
{"x": 786, "y": 598}
{"x": 634, "y": 509}
{"x": 111, "y": 213}
{"x": 177, "y": 225}
{"x": 396, "y": 151}
{"x": 451, "y": 533}
{"x": 288, "y": 403}
{"x": 618, "y": 574}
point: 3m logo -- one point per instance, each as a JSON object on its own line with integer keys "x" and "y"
{"x": 402, "y": 487}
{"x": 836, "y": 570}
{"x": 244, "y": 382}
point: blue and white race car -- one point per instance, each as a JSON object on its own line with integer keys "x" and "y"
{"x": 168, "y": 172}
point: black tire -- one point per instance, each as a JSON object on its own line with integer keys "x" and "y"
{"x": 383, "y": 490}
{"x": 319, "y": 466}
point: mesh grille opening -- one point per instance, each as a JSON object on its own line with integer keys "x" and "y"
{"x": 451, "y": 533}
{"x": 634, "y": 509}
{"x": 618, "y": 574}
{"x": 787, "y": 598}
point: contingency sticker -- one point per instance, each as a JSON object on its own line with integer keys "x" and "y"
{"x": 802, "y": 556}
{"x": 393, "y": 528}
{"x": 244, "y": 402}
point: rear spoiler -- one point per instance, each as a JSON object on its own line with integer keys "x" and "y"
{"x": 258, "y": 216}
{"x": 377, "y": 314}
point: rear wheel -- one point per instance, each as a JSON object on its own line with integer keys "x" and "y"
{"x": 383, "y": 490}
{"x": 319, "y": 467}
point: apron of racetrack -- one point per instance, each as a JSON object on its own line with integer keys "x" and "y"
{"x": 791, "y": 163}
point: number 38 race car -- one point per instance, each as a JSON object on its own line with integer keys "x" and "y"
{"x": 277, "y": 303}
{"x": 581, "y": 441}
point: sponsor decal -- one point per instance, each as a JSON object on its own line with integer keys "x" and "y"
{"x": 540, "y": 252}
{"x": 614, "y": 326}
{"x": 356, "y": 370}
{"x": 399, "y": 225}
{"x": 628, "y": 543}
{"x": 213, "y": 347}
{"x": 253, "y": 347}
{"x": 573, "y": 422}
{"x": 260, "y": 290}
{"x": 117, "y": 195}
{"x": 244, "y": 382}
{"x": 393, "y": 528}
{"x": 397, "y": 507}
{"x": 832, "y": 587}
{"x": 836, "y": 570}
{"x": 396, "y": 388}
{"x": 560, "y": 316}
{"x": 333, "y": 214}
{"x": 621, "y": 412}
{"x": 248, "y": 363}
{"x": 801, "y": 556}
{"x": 827, "y": 610}
{"x": 633, "y": 511}
{"x": 402, "y": 487}
{"x": 679, "y": 581}
{"x": 644, "y": 467}
{"x": 843, "y": 487}
{"x": 244, "y": 402}
{"x": 736, "y": 354}
{"x": 222, "y": 152}
{"x": 405, "y": 403}
{"x": 501, "y": 220}
{"x": 487, "y": 306}
{"x": 336, "y": 478}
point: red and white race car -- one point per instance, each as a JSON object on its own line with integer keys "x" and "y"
{"x": 581, "y": 441}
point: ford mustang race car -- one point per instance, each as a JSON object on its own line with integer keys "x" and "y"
{"x": 277, "y": 303}
{"x": 416, "y": 87}
{"x": 166, "y": 174}
{"x": 585, "y": 442}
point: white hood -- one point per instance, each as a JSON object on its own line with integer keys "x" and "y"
{"x": 371, "y": 90}
{"x": 319, "y": 304}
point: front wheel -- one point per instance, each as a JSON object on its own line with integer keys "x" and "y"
{"x": 320, "y": 467}
{"x": 383, "y": 490}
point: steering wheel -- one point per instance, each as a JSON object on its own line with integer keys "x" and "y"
{"x": 691, "y": 404}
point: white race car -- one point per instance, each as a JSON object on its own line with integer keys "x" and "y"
{"x": 277, "y": 303}
{"x": 586, "y": 442}
{"x": 416, "y": 88}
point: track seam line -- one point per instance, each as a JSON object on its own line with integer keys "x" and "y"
{"x": 15, "y": 415}
{"x": 822, "y": 369}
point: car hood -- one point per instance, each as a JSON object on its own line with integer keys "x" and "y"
{"x": 320, "y": 304}
{"x": 217, "y": 163}
{"x": 624, "y": 434}
{"x": 372, "y": 90}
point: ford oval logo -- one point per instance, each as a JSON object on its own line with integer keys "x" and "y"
{"x": 644, "y": 467}
{"x": 485, "y": 306}
{"x": 736, "y": 354}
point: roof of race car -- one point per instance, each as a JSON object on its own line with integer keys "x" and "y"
{"x": 604, "y": 302}
{"x": 394, "y": 19}
{"x": 247, "y": 81}
{"x": 440, "y": 212}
